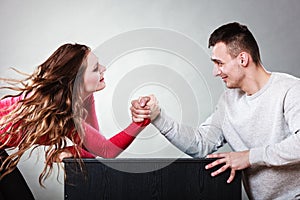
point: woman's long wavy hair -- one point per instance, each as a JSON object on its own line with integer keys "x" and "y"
{"x": 51, "y": 107}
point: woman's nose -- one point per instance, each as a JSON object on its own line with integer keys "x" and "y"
{"x": 102, "y": 69}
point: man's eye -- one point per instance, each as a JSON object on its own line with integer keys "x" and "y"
{"x": 219, "y": 64}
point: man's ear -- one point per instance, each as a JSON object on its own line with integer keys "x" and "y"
{"x": 243, "y": 59}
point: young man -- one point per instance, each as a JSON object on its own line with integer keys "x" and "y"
{"x": 258, "y": 116}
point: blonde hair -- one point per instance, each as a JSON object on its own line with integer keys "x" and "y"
{"x": 52, "y": 104}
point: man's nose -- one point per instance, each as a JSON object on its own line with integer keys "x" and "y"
{"x": 216, "y": 71}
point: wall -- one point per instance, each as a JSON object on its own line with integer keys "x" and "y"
{"x": 157, "y": 47}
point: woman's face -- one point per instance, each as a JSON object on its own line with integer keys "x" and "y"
{"x": 93, "y": 76}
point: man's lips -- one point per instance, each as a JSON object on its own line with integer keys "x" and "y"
{"x": 224, "y": 77}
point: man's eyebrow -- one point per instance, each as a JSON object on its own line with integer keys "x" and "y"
{"x": 215, "y": 60}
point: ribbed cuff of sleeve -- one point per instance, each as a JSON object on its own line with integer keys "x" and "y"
{"x": 162, "y": 122}
{"x": 256, "y": 156}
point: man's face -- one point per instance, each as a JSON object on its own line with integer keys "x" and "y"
{"x": 226, "y": 67}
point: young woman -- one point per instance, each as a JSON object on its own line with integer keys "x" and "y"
{"x": 53, "y": 105}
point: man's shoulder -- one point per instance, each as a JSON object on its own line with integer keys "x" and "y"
{"x": 279, "y": 77}
{"x": 285, "y": 81}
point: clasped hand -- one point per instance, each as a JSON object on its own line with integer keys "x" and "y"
{"x": 144, "y": 107}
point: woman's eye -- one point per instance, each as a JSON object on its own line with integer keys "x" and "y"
{"x": 96, "y": 68}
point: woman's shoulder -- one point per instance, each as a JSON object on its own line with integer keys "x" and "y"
{"x": 10, "y": 100}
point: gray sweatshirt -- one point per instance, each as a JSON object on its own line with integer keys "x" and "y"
{"x": 267, "y": 123}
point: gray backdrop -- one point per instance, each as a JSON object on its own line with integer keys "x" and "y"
{"x": 157, "y": 47}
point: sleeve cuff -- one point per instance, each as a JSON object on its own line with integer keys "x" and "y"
{"x": 256, "y": 156}
{"x": 162, "y": 122}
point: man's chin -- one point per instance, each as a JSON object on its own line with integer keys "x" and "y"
{"x": 230, "y": 86}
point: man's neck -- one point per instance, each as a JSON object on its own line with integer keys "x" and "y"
{"x": 256, "y": 78}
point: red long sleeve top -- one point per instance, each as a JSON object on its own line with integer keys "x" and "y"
{"x": 94, "y": 143}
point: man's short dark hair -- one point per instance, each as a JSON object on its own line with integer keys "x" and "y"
{"x": 237, "y": 38}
